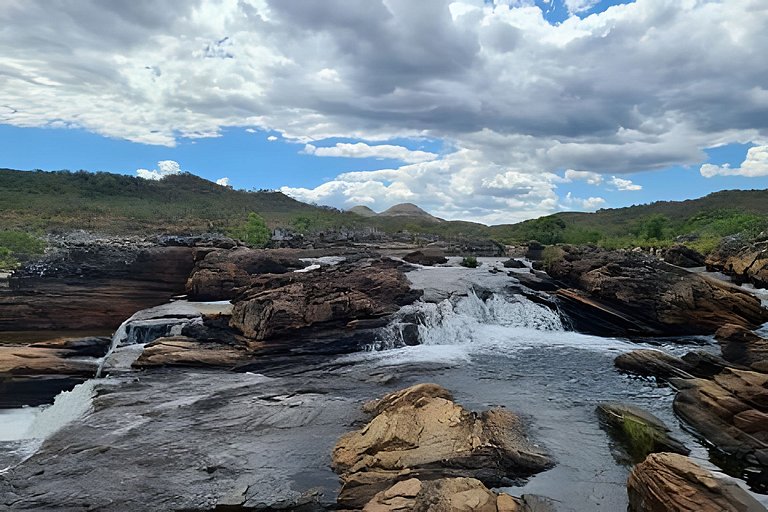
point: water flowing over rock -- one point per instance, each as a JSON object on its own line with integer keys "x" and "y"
{"x": 638, "y": 294}
{"x": 279, "y": 306}
{"x": 420, "y": 432}
{"x": 667, "y": 482}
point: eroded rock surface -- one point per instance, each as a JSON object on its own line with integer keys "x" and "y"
{"x": 742, "y": 346}
{"x": 746, "y": 262}
{"x": 420, "y": 432}
{"x": 668, "y": 482}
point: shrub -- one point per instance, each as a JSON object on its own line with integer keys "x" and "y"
{"x": 253, "y": 232}
{"x": 469, "y": 262}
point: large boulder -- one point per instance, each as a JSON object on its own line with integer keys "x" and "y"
{"x": 668, "y": 482}
{"x": 427, "y": 257}
{"x": 420, "y": 432}
{"x": 742, "y": 346}
{"x": 638, "y": 294}
{"x": 746, "y": 261}
{"x": 683, "y": 256}
{"x": 279, "y": 306}
{"x": 189, "y": 352}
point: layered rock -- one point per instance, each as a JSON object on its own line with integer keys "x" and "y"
{"x": 420, "y": 432}
{"x": 28, "y": 360}
{"x": 278, "y": 306}
{"x": 638, "y": 294}
{"x": 683, "y": 256}
{"x": 668, "y": 482}
{"x": 742, "y": 346}
{"x": 746, "y": 262}
{"x": 93, "y": 286}
{"x": 189, "y": 352}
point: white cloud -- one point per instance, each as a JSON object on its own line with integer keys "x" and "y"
{"x": 250, "y": 130}
{"x": 588, "y": 204}
{"x": 577, "y": 6}
{"x": 624, "y": 185}
{"x": 754, "y": 165}
{"x": 224, "y": 182}
{"x": 271, "y": 138}
{"x": 592, "y": 178}
{"x": 363, "y": 150}
{"x": 164, "y": 168}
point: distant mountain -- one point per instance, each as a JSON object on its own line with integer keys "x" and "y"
{"x": 363, "y": 211}
{"x": 405, "y": 211}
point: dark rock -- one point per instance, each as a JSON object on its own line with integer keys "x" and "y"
{"x": 623, "y": 288}
{"x": 90, "y": 346}
{"x": 653, "y": 363}
{"x": 746, "y": 261}
{"x": 534, "y": 251}
{"x": 742, "y": 346}
{"x": 513, "y": 263}
{"x": 427, "y": 257}
{"x": 420, "y": 432}
{"x": 279, "y": 306}
{"x": 683, "y": 256}
{"x": 706, "y": 365}
{"x": 640, "y": 432}
{"x": 668, "y": 482}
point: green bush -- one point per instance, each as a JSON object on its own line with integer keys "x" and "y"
{"x": 469, "y": 262}
{"x": 253, "y": 232}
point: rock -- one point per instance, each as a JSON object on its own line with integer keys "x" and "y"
{"x": 90, "y": 346}
{"x": 27, "y": 360}
{"x": 621, "y": 287}
{"x": 534, "y": 251}
{"x": 746, "y": 261}
{"x": 742, "y": 346}
{"x": 653, "y": 363}
{"x": 513, "y": 263}
{"x": 706, "y": 365}
{"x": 93, "y": 286}
{"x": 683, "y": 256}
{"x": 668, "y": 482}
{"x": 419, "y": 432}
{"x": 279, "y": 306}
{"x": 447, "y": 495}
{"x": 427, "y": 257}
{"x": 184, "y": 351}
{"x": 639, "y": 431}
{"x": 221, "y": 274}
{"x": 165, "y": 320}
{"x": 721, "y": 409}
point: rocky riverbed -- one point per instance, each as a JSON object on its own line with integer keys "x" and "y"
{"x": 261, "y": 405}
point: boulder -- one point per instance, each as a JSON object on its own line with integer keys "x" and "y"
{"x": 220, "y": 274}
{"x": 639, "y": 431}
{"x": 450, "y": 495}
{"x": 279, "y": 306}
{"x": 746, "y": 261}
{"x": 742, "y": 346}
{"x": 28, "y": 360}
{"x": 427, "y": 257}
{"x": 534, "y": 251}
{"x": 683, "y": 256}
{"x": 668, "y": 482}
{"x": 639, "y": 294}
{"x": 513, "y": 263}
{"x": 419, "y": 432}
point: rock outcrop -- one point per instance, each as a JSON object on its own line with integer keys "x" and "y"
{"x": 189, "y": 352}
{"x": 420, "y": 432}
{"x": 683, "y": 256}
{"x": 667, "y": 482}
{"x": 742, "y": 346}
{"x": 638, "y": 294}
{"x": 59, "y": 358}
{"x": 427, "y": 257}
{"x": 280, "y": 305}
{"x": 746, "y": 262}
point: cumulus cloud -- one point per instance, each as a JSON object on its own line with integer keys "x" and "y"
{"x": 164, "y": 168}
{"x": 624, "y": 185}
{"x": 754, "y": 165}
{"x": 592, "y": 178}
{"x": 224, "y": 182}
{"x": 271, "y": 138}
{"x": 363, "y": 150}
{"x": 588, "y": 204}
{"x": 577, "y": 6}
{"x": 626, "y": 90}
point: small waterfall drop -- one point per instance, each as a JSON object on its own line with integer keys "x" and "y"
{"x": 67, "y": 407}
{"x": 458, "y": 320}
{"x": 119, "y": 335}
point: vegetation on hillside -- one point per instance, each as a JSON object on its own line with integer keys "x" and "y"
{"x": 17, "y": 246}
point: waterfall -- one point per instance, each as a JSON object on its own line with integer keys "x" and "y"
{"x": 120, "y": 334}
{"x": 458, "y": 320}
{"x": 67, "y": 407}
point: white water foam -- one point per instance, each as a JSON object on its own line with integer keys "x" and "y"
{"x": 67, "y": 407}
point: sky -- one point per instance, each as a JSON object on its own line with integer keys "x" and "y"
{"x": 490, "y": 111}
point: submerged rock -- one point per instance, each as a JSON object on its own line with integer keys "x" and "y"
{"x": 639, "y": 294}
{"x": 639, "y": 431}
{"x": 668, "y": 482}
{"x": 420, "y": 432}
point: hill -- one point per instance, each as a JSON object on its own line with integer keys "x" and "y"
{"x": 363, "y": 211}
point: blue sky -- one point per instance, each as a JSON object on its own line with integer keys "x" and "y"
{"x": 477, "y": 110}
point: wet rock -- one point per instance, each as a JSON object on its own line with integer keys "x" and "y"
{"x": 165, "y": 320}
{"x": 90, "y": 346}
{"x": 221, "y": 274}
{"x": 639, "y": 431}
{"x": 420, "y": 432}
{"x": 513, "y": 263}
{"x": 184, "y": 351}
{"x": 653, "y": 363}
{"x": 427, "y": 257}
{"x": 742, "y": 346}
{"x": 667, "y": 482}
{"x": 639, "y": 294}
{"x": 683, "y": 256}
{"x": 278, "y": 306}
{"x": 722, "y": 408}
{"x": 449, "y": 495}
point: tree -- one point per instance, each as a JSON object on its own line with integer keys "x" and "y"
{"x": 254, "y": 232}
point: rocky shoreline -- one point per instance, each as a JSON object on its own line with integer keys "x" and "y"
{"x": 277, "y": 313}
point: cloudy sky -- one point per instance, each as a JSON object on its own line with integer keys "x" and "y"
{"x": 493, "y": 111}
